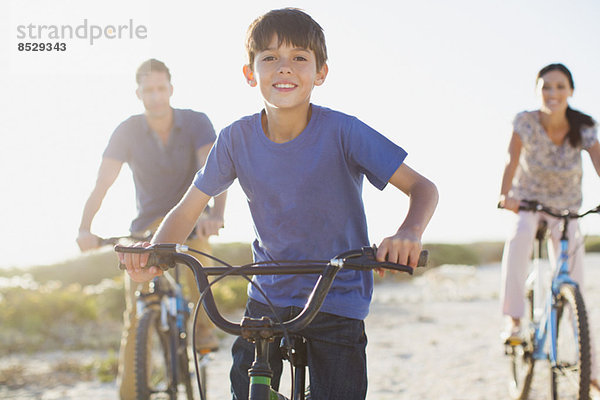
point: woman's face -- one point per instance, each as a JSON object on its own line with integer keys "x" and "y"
{"x": 554, "y": 90}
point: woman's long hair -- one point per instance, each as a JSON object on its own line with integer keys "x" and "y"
{"x": 577, "y": 120}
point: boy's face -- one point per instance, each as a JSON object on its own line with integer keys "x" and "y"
{"x": 155, "y": 91}
{"x": 285, "y": 75}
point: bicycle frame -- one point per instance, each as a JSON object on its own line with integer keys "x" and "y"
{"x": 547, "y": 324}
{"x": 172, "y": 303}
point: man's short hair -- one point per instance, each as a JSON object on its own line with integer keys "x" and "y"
{"x": 293, "y": 27}
{"x": 151, "y": 65}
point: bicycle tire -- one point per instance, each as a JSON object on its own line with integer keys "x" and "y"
{"x": 570, "y": 378}
{"x": 153, "y": 361}
{"x": 521, "y": 356}
{"x": 184, "y": 376}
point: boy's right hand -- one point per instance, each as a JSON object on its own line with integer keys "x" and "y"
{"x": 136, "y": 264}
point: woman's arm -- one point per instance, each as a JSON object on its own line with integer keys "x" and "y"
{"x": 514, "y": 152}
{"x": 594, "y": 152}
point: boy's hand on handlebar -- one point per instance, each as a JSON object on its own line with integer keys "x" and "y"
{"x": 402, "y": 248}
{"x": 136, "y": 264}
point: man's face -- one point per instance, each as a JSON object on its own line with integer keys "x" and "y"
{"x": 155, "y": 91}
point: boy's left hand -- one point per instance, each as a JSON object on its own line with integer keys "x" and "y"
{"x": 402, "y": 248}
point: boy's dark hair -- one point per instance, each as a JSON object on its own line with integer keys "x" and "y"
{"x": 577, "y": 119}
{"x": 151, "y": 65}
{"x": 293, "y": 27}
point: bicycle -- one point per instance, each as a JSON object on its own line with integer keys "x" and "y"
{"x": 161, "y": 348}
{"x": 262, "y": 331}
{"x": 555, "y": 324}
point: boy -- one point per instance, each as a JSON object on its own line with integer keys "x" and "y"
{"x": 301, "y": 168}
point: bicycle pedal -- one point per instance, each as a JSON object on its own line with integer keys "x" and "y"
{"x": 513, "y": 341}
{"x": 206, "y": 351}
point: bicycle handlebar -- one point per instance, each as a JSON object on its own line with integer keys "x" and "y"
{"x": 536, "y": 206}
{"x": 167, "y": 256}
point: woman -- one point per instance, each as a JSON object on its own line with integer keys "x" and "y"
{"x": 544, "y": 164}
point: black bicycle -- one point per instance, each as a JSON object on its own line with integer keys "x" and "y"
{"x": 162, "y": 369}
{"x": 262, "y": 331}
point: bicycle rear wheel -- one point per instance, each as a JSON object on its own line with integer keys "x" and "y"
{"x": 521, "y": 360}
{"x": 155, "y": 358}
{"x": 570, "y": 378}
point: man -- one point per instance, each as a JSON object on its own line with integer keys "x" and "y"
{"x": 164, "y": 148}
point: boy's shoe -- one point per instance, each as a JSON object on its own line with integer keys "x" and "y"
{"x": 206, "y": 341}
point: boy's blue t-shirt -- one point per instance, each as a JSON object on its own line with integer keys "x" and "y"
{"x": 305, "y": 197}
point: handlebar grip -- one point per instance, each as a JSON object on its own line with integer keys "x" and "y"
{"x": 163, "y": 261}
{"x": 153, "y": 260}
{"x": 403, "y": 268}
{"x": 126, "y": 249}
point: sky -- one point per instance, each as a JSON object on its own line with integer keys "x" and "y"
{"x": 441, "y": 79}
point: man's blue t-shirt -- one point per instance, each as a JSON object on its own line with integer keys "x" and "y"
{"x": 305, "y": 197}
{"x": 161, "y": 173}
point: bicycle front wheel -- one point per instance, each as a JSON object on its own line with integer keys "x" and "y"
{"x": 570, "y": 377}
{"x": 154, "y": 370}
{"x": 521, "y": 356}
{"x": 184, "y": 376}
{"x": 203, "y": 360}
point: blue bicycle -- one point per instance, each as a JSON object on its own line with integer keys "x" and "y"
{"x": 555, "y": 327}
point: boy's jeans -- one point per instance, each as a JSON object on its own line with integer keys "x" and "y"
{"x": 336, "y": 356}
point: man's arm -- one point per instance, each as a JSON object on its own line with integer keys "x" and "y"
{"x": 404, "y": 246}
{"x": 107, "y": 174}
{"x": 175, "y": 228}
{"x": 210, "y": 224}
